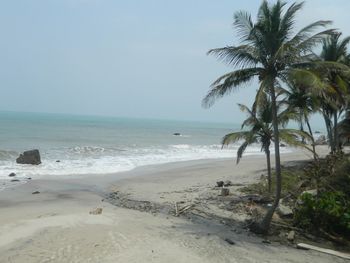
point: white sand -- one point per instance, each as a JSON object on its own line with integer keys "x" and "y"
{"x": 55, "y": 225}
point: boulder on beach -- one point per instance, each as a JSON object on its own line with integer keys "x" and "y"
{"x": 29, "y": 157}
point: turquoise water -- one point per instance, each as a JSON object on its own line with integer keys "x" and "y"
{"x": 96, "y": 145}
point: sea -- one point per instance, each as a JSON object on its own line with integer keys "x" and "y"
{"x": 79, "y": 145}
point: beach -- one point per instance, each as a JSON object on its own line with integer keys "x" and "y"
{"x": 60, "y": 223}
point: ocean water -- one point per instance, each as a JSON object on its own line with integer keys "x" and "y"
{"x": 101, "y": 145}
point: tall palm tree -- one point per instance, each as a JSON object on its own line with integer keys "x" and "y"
{"x": 269, "y": 52}
{"x": 335, "y": 96}
{"x": 260, "y": 131}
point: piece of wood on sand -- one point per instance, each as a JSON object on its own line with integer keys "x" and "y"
{"x": 176, "y": 209}
{"x": 324, "y": 250}
{"x": 181, "y": 210}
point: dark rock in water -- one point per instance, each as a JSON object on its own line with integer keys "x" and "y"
{"x": 12, "y": 174}
{"x": 317, "y": 132}
{"x": 35, "y": 192}
{"x": 29, "y": 157}
{"x": 220, "y": 183}
{"x": 14, "y": 180}
{"x": 282, "y": 145}
{"x": 58, "y": 161}
{"x": 176, "y": 133}
{"x": 227, "y": 183}
{"x": 29, "y": 178}
{"x": 230, "y": 241}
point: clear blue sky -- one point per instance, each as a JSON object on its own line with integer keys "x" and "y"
{"x": 126, "y": 58}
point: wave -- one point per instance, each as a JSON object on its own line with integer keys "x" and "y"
{"x": 82, "y": 160}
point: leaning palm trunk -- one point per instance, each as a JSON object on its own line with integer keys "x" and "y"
{"x": 268, "y": 162}
{"x": 312, "y": 138}
{"x": 329, "y": 131}
{"x": 335, "y": 132}
{"x": 264, "y": 225}
{"x": 302, "y": 128}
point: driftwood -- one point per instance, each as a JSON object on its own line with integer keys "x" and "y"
{"x": 176, "y": 209}
{"x": 181, "y": 210}
{"x": 286, "y": 226}
{"x": 324, "y": 250}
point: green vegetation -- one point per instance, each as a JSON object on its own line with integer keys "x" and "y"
{"x": 329, "y": 212}
{"x": 295, "y": 80}
{"x": 260, "y": 131}
{"x": 319, "y": 193}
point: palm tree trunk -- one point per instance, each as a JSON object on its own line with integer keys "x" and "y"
{"x": 329, "y": 131}
{"x": 302, "y": 129}
{"x": 267, "y": 152}
{"x": 312, "y": 138}
{"x": 335, "y": 131}
{"x": 264, "y": 225}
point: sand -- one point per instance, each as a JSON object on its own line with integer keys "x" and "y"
{"x": 56, "y": 225}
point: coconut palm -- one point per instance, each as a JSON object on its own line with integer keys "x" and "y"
{"x": 269, "y": 52}
{"x": 259, "y": 130}
{"x": 335, "y": 96}
{"x": 344, "y": 129}
{"x": 300, "y": 99}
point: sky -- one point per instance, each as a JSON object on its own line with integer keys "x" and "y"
{"x": 143, "y": 59}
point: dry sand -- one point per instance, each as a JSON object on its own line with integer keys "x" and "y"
{"x": 55, "y": 225}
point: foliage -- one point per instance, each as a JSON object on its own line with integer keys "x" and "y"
{"x": 326, "y": 174}
{"x": 272, "y": 52}
{"x": 292, "y": 181}
{"x": 329, "y": 212}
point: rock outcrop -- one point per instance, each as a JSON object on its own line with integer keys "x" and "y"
{"x": 29, "y": 157}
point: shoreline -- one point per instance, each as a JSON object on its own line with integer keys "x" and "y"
{"x": 55, "y": 225}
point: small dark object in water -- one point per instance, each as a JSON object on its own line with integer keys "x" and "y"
{"x": 231, "y": 242}
{"x": 14, "y": 180}
{"x": 176, "y": 134}
{"x": 317, "y": 132}
{"x": 220, "y": 183}
{"x": 12, "y": 174}
{"x": 29, "y": 178}
{"x": 35, "y": 192}
{"x": 58, "y": 161}
{"x": 282, "y": 145}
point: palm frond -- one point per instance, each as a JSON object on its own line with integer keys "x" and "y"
{"x": 241, "y": 150}
{"x": 292, "y": 137}
{"x": 234, "y": 137}
{"x": 243, "y": 23}
{"x": 288, "y": 20}
{"x": 244, "y": 55}
{"x": 227, "y": 83}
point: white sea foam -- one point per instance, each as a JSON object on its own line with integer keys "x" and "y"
{"x": 99, "y": 160}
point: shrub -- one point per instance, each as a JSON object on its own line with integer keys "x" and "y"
{"x": 330, "y": 211}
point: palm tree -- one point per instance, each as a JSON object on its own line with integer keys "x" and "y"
{"x": 344, "y": 129}
{"x": 269, "y": 52}
{"x": 300, "y": 99}
{"x": 260, "y": 131}
{"x": 335, "y": 97}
